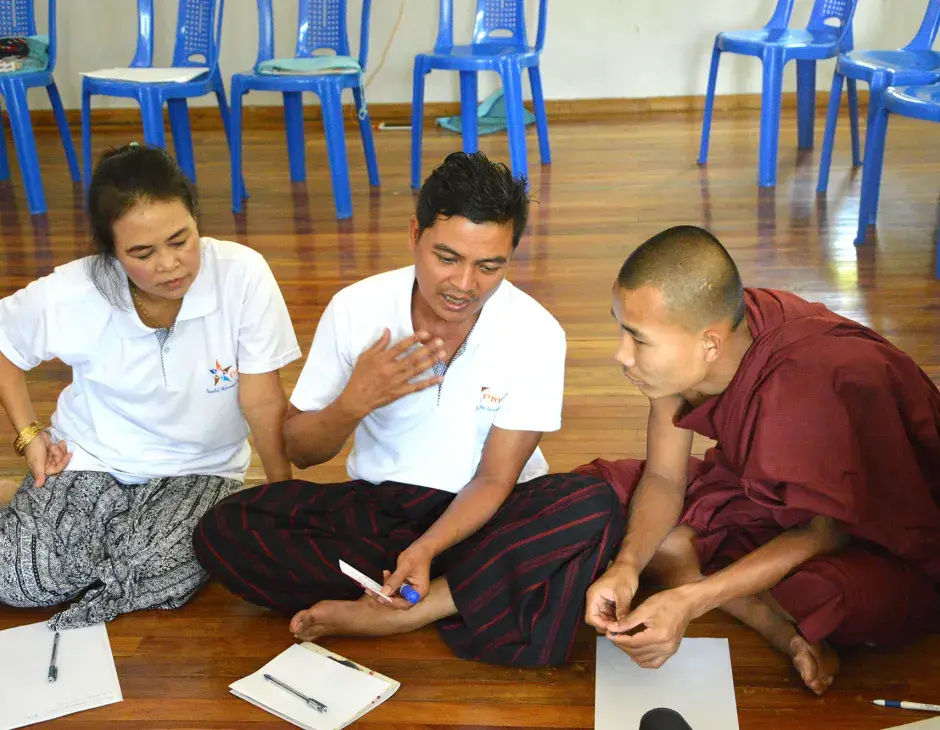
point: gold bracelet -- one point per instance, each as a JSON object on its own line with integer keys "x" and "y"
{"x": 27, "y": 435}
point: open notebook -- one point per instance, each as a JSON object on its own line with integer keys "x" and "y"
{"x": 347, "y": 689}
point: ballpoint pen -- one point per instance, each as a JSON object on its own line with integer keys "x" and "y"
{"x": 311, "y": 703}
{"x": 53, "y": 669}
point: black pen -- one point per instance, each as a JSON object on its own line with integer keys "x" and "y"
{"x": 53, "y": 669}
{"x": 311, "y": 703}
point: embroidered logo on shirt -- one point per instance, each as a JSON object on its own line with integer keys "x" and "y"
{"x": 224, "y": 378}
{"x": 489, "y": 399}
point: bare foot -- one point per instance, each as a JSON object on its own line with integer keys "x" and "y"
{"x": 817, "y": 664}
{"x": 365, "y": 617}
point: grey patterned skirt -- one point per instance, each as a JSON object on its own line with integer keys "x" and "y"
{"x": 114, "y": 547}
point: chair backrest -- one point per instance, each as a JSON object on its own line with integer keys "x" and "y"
{"x": 497, "y": 21}
{"x": 832, "y": 15}
{"x": 927, "y": 33}
{"x": 321, "y": 26}
{"x": 17, "y": 18}
{"x": 198, "y": 33}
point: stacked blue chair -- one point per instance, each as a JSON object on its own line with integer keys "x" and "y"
{"x": 321, "y": 26}
{"x": 827, "y": 34}
{"x": 499, "y": 44}
{"x": 17, "y": 19}
{"x": 915, "y": 102}
{"x": 198, "y": 34}
{"x": 915, "y": 63}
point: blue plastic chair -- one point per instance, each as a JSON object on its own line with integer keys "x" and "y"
{"x": 321, "y": 25}
{"x": 915, "y": 63}
{"x": 17, "y": 18}
{"x": 828, "y": 33}
{"x": 198, "y": 32}
{"x": 499, "y": 44}
{"x": 915, "y": 102}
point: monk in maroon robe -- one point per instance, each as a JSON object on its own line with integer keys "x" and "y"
{"x": 816, "y": 518}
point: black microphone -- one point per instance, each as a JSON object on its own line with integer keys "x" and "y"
{"x": 663, "y": 719}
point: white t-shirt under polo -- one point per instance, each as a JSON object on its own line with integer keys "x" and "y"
{"x": 510, "y": 375}
{"x": 140, "y": 409}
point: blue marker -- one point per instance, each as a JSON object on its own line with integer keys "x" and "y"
{"x": 410, "y": 594}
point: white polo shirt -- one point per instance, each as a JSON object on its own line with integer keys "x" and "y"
{"x": 140, "y": 409}
{"x": 510, "y": 375}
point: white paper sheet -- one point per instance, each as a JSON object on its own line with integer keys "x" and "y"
{"x": 346, "y": 692}
{"x": 86, "y": 679}
{"x": 148, "y": 75}
{"x": 696, "y": 682}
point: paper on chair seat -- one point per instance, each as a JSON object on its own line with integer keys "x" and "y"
{"x": 86, "y": 674}
{"x": 696, "y": 682}
{"x": 179, "y": 75}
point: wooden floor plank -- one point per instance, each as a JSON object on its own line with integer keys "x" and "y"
{"x": 612, "y": 185}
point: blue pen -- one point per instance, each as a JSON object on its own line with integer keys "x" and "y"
{"x": 409, "y": 593}
{"x": 905, "y": 705}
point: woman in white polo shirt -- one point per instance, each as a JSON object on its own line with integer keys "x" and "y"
{"x": 175, "y": 342}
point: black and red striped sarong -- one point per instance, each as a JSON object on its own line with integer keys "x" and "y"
{"x": 519, "y": 583}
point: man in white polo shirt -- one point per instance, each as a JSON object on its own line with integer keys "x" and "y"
{"x": 448, "y": 375}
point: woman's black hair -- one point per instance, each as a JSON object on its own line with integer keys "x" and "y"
{"x": 123, "y": 178}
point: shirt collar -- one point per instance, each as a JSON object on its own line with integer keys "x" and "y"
{"x": 199, "y": 301}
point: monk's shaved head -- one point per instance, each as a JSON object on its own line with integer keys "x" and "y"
{"x": 699, "y": 281}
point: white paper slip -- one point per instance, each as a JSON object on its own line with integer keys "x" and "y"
{"x": 147, "y": 75}
{"x": 86, "y": 676}
{"x": 696, "y": 682}
{"x": 348, "y": 692}
{"x": 362, "y": 579}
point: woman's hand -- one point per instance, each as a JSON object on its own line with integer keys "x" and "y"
{"x": 45, "y": 457}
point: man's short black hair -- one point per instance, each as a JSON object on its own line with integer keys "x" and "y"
{"x": 473, "y": 187}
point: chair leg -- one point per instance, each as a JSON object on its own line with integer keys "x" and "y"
{"x": 294, "y": 129}
{"x": 4, "y": 160}
{"x": 417, "y": 123}
{"x": 64, "y": 132}
{"x": 25, "y": 142}
{"x": 86, "y": 138}
{"x": 829, "y": 136}
{"x": 852, "y": 93}
{"x": 332, "y": 104}
{"x": 541, "y": 118}
{"x": 235, "y": 147}
{"x": 770, "y": 119}
{"x": 872, "y": 167}
{"x": 365, "y": 131}
{"x": 218, "y": 86}
{"x": 151, "y": 108}
{"x": 182, "y": 137}
{"x": 511, "y": 74}
{"x": 805, "y": 103}
{"x": 469, "y": 99}
{"x": 709, "y": 104}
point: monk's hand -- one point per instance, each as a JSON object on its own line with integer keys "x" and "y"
{"x": 651, "y": 634}
{"x": 45, "y": 457}
{"x": 384, "y": 373}
{"x": 611, "y": 596}
{"x": 413, "y": 568}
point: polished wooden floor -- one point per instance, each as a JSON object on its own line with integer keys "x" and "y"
{"x": 611, "y": 185}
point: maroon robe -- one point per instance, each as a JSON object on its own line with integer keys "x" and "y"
{"x": 823, "y": 417}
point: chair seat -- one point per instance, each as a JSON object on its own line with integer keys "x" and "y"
{"x": 917, "y": 102}
{"x": 904, "y": 67}
{"x": 479, "y": 56}
{"x": 148, "y": 75}
{"x": 805, "y": 43}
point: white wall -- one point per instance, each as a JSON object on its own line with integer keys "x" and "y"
{"x": 594, "y": 48}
